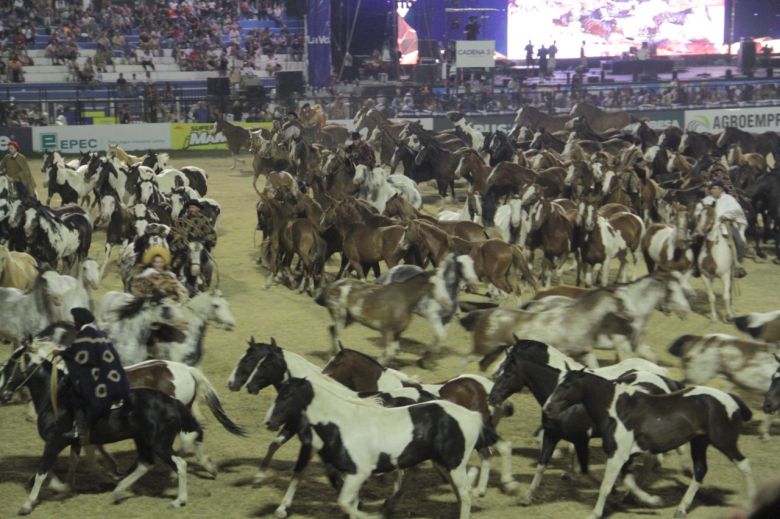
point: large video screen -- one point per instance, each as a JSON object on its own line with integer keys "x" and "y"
{"x": 612, "y": 27}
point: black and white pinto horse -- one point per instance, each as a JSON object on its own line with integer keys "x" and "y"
{"x": 53, "y": 237}
{"x": 196, "y": 177}
{"x": 181, "y": 195}
{"x": 634, "y": 421}
{"x": 451, "y": 273}
{"x": 128, "y": 321}
{"x": 377, "y": 188}
{"x": 198, "y": 268}
{"x": 73, "y": 185}
{"x": 151, "y": 419}
{"x": 440, "y": 431}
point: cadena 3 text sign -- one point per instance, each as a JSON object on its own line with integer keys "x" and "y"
{"x": 756, "y": 119}
{"x": 476, "y": 54}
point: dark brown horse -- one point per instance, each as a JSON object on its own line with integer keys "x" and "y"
{"x": 237, "y": 138}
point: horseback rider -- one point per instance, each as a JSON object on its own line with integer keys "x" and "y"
{"x": 193, "y": 226}
{"x": 360, "y": 152}
{"x": 292, "y": 129}
{"x": 15, "y": 167}
{"x": 95, "y": 371}
{"x": 157, "y": 276}
{"x": 732, "y": 221}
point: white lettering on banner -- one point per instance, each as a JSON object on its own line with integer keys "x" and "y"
{"x": 74, "y": 139}
{"x": 756, "y": 119}
{"x": 319, "y": 40}
{"x": 349, "y": 124}
{"x": 475, "y": 54}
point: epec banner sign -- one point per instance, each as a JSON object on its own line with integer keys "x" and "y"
{"x": 756, "y": 119}
{"x": 475, "y": 54}
{"x": 200, "y": 136}
{"x": 75, "y": 139}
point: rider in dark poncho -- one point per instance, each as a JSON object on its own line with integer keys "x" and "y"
{"x": 95, "y": 372}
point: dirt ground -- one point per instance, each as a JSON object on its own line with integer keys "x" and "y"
{"x": 300, "y": 325}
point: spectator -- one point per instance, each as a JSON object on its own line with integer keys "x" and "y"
{"x": 15, "y": 70}
{"x": 121, "y": 84}
{"x": 147, "y": 60}
{"x": 124, "y": 115}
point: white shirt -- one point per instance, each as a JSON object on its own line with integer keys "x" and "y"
{"x": 727, "y": 206}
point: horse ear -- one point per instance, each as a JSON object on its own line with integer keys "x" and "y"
{"x": 252, "y": 339}
{"x": 777, "y": 357}
{"x": 273, "y": 342}
{"x": 341, "y": 347}
{"x": 566, "y": 367}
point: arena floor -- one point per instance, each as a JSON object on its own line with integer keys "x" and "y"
{"x": 300, "y": 325}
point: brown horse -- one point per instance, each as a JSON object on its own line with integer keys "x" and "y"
{"x": 500, "y": 264}
{"x": 398, "y": 207}
{"x": 601, "y": 120}
{"x": 302, "y": 238}
{"x": 237, "y": 138}
{"x": 534, "y": 119}
{"x": 554, "y": 229}
{"x": 385, "y": 308}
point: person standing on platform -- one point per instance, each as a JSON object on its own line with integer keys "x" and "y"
{"x": 552, "y": 50}
{"x": 529, "y": 54}
{"x": 472, "y": 28}
{"x": 583, "y": 58}
{"x": 542, "y": 53}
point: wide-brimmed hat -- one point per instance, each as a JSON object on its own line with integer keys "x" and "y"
{"x": 153, "y": 252}
{"x": 292, "y": 113}
{"x": 355, "y": 136}
{"x": 194, "y": 202}
{"x": 718, "y": 183}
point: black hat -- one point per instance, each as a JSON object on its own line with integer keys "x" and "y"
{"x": 718, "y": 183}
{"x": 81, "y": 316}
{"x": 355, "y": 136}
{"x": 292, "y": 113}
{"x": 195, "y": 202}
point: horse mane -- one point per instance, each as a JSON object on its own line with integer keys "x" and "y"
{"x": 327, "y": 386}
{"x": 131, "y": 308}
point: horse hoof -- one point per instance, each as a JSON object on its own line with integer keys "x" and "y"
{"x": 259, "y": 478}
{"x": 510, "y": 488}
{"x": 117, "y": 497}
{"x": 178, "y": 503}
{"x": 280, "y": 512}
{"x": 526, "y": 500}
{"x": 654, "y": 501}
{"x": 680, "y": 513}
{"x": 26, "y": 509}
{"x": 58, "y": 487}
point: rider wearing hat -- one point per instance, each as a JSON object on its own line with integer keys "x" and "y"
{"x": 292, "y": 128}
{"x": 732, "y": 221}
{"x": 360, "y": 152}
{"x": 157, "y": 276}
{"x": 193, "y": 226}
{"x": 95, "y": 371}
{"x": 15, "y": 166}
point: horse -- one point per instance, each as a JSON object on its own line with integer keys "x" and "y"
{"x": 17, "y": 269}
{"x": 114, "y": 150}
{"x": 442, "y": 163}
{"x": 450, "y": 273}
{"x": 378, "y": 188}
{"x": 121, "y": 225}
{"x": 501, "y": 149}
{"x": 128, "y": 321}
{"x": 236, "y": 136}
{"x": 473, "y": 170}
{"x": 716, "y": 259}
{"x": 80, "y": 293}
{"x": 303, "y": 238}
{"x": 555, "y": 229}
{"x": 26, "y": 312}
{"x": 533, "y": 118}
{"x": 73, "y": 186}
{"x": 765, "y": 144}
{"x": 601, "y": 120}
{"x": 150, "y": 418}
{"x": 576, "y": 328}
{"x": 762, "y": 326}
{"x": 186, "y": 346}
{"x": 772, "y": 399}
{"x": 667, "y": 247}
{"x": 603, "y": 239}
{"x": 749, "y": 365}
{"x": 385, "y": 308}
{"x": 194, "y": 177}
{"x": 332, "y": 417}
{"x": 640, "y": 422}
{"x": 471, "y": 211}
{"x": 198, "y": 268}
{"x": 540, "y": 367}
{"x": 500, "y": 264}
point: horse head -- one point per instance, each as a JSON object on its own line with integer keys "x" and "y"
{"x": 14, "y": 373}
{"x": 270, "y": 367}
{"x": 292, "y": 398}
{"x": 90, "y": 274}
{"x": 570, "y": 391}
{"x": 677, "y": 289}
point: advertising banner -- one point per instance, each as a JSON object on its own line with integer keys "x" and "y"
{"x": 74, "y": 139}
{"x": 482, "y": 123}
{"x": 23, "y": 136}
{"x": 201, "y": 136}
{"x": 476, "y": 54}
{"x": 756, "y": 119}
{"x": 661, "y": 119}
{"x": 318, "y": 42}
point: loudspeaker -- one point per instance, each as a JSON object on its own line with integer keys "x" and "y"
{"x": 255, "y": 92}
{"x": 426, "y": 73}
{"x": 428, "y": 49}
{"x": 288, "y": 83}
{"x": 295, "y": 7}
{"x": 218, "y": 86}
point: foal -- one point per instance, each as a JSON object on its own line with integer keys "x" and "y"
{"x": 639, "y": 422}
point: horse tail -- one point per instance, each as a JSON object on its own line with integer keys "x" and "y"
{"x": 207, "y": 391}
{"x": 470, "y": 321}
{"x": 254, "y": 183}
{"x": 677, "y": 348}
{"x": 744, "y": 410}
{"x": 520, "y": 265}
{"x": 487, "y": 436}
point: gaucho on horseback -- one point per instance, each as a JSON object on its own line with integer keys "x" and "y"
{"x": 360, "y": 152}
{"x": 95, "y": 372}
{"x": 193, "y": 226}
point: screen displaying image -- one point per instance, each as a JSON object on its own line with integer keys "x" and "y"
{"x": 612, "y": 27}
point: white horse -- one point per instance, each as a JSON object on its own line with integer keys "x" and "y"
{"x": 206, "y": 307}
{"x": 465, "y": 213}
{"x": 716, "y": 259}
{"x": 80, "y": 291}
{"x": 377, "y": 188}
{"x": 26, "y": 313}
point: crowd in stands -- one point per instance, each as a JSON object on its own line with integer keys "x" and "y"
{"x": 195, "y": 29}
